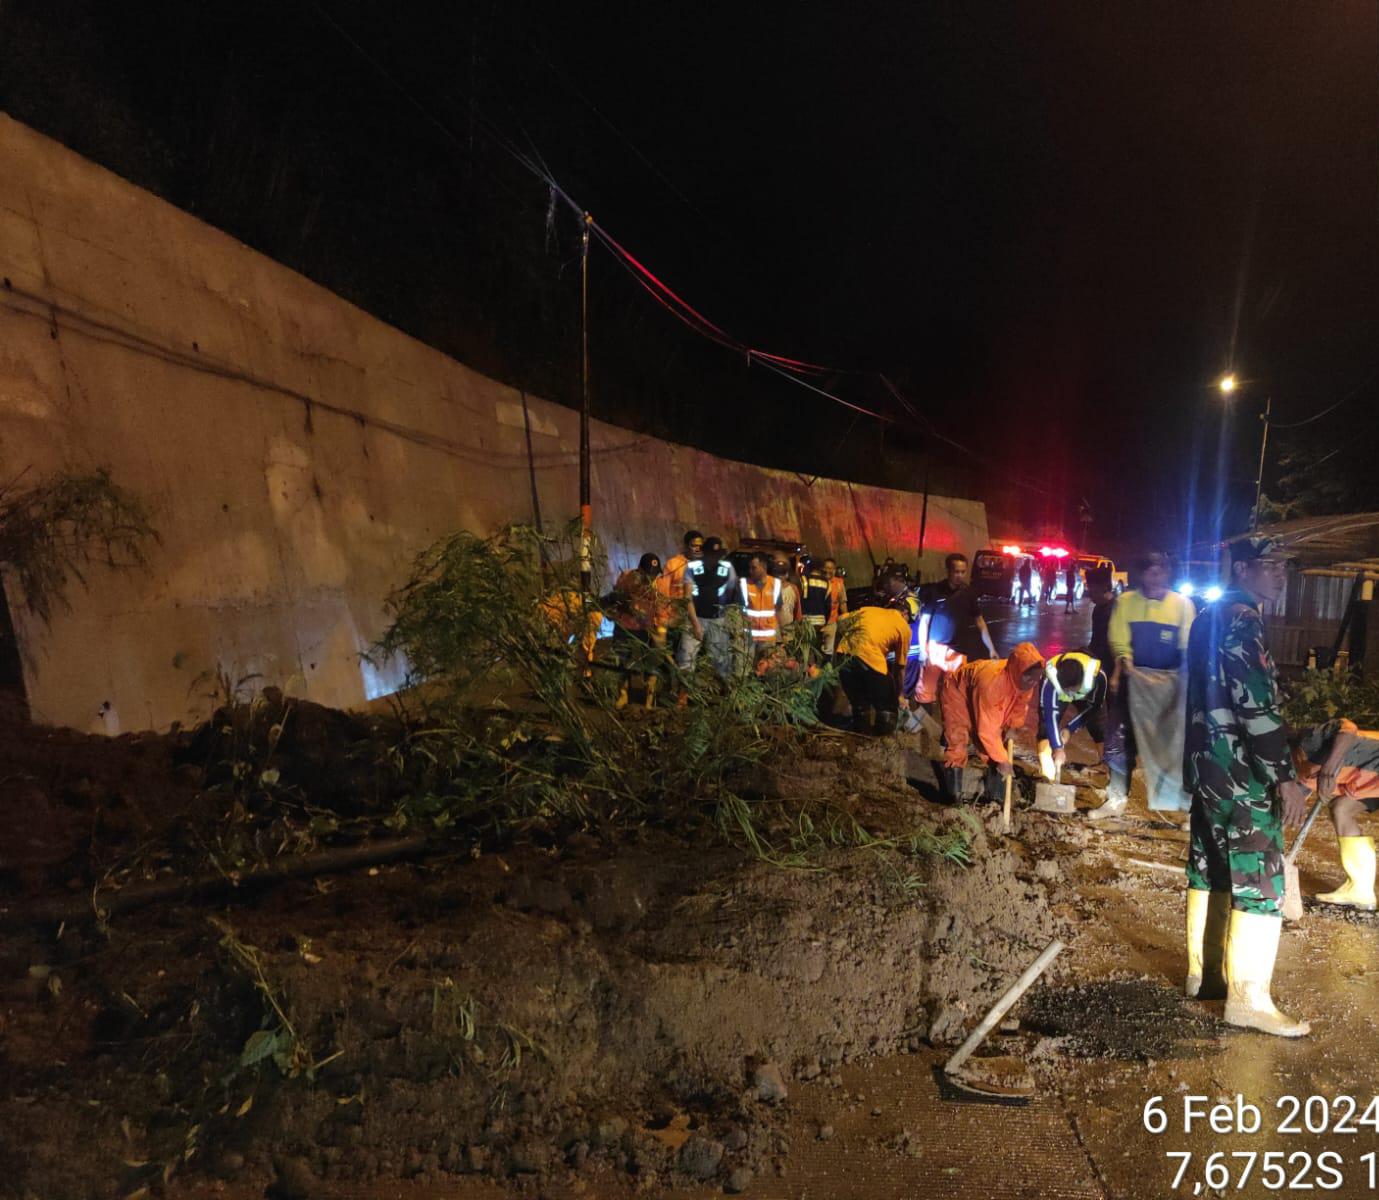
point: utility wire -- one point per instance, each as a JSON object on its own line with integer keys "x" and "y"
{"x": 1350, "y": 395}
{"x": 782, "y": 365}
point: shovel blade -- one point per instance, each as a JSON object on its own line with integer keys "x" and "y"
{"x": 1055, "y": 797}
{"x": 1291, "y": 908}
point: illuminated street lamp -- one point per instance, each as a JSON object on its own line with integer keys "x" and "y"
{"x": 1227, "y": 385}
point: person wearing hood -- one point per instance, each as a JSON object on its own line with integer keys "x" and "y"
{"x": 983, "y": 701}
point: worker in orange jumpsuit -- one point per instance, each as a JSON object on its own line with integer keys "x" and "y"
{"x": 640, "y": 612}
{"x": 991, "y": 697}
{"x": 575, "y": 620}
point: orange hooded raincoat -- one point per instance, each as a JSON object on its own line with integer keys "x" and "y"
{"x": 986, "y": 695}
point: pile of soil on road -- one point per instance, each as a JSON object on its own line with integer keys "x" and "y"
{"x": 526, "y": 1012}
{"x": 1138, "y": 1020}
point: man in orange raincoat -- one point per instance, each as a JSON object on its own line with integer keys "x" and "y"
{"x": 991, "y": 697}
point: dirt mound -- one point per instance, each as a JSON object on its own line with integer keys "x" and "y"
{"x": 642, "y": 1007}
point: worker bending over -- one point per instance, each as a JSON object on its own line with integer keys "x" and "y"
{"x": 1073, "y": 683}
{"x": 640, "y": 608}
{"x": 990, "y": 697}
{"x": 1235, "y": 759}
{"x": 872, "y": 644}
{"x": 1341, "y": 761}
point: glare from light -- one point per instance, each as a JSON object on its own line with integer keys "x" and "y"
{"x": 1185, "y": 588}
{"x": 1212, "y": 595}
{"x": 1010, "y": 549}
{"x": 1227, "y": 384}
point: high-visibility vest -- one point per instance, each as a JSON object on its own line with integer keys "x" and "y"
{"x": 816, "y": 598}
{"x": 759, "y": 604}
{"x": 1090, "y": 667}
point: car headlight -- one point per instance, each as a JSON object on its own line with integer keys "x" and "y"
{"x": 1185, "y": 588}
{"x": 1212, "y": 595}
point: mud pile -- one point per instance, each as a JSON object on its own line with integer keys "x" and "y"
{"x": 640, "y": 1007}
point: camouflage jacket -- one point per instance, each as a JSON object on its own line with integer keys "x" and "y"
{"x": 1236, "y": 740}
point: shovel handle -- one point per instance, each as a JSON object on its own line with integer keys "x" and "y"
{"x": 1010, "y": 779}
{"x": 1303, "y": 832}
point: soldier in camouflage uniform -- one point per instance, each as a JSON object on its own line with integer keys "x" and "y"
{"x": 1236, "y": 755}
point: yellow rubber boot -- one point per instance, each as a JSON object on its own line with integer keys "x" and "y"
{"x": 622, "y": 696}
{"x": 1208, "y": 914}
{"x": 1358, "y": 859}
{"x": 650, "y": 691}
{"x": 1251, "y": 948}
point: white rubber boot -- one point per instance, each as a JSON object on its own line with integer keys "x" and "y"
{"x": 1117, "y": 796}
{"x": 1358, "y": 859}
{"x": 1114, "y": 807}
{"x": 1251, "y": 948}
{"x": 1208, "y": 915}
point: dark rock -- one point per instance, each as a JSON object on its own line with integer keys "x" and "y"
{"x": 530, "y": 1158}
{"x": 579, "y": 1155}
{"x": 769, "y": 1083}
{"x": 295, "y": 1180}
{"x": 739, "y": 1181}
{"x": 700, "y": 1157}
{"x": 735, "y": 1139}
{"x": 229, "y": 1164}
{"x": 825, "y": 1133}
{"x": 608, "y": 1131}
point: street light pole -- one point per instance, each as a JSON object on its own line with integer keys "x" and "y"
{"x": 1227, "y": 385}
{"x": 1259, "y": 474}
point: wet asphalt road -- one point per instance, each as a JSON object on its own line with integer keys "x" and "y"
{"x": 1050, "y": 629}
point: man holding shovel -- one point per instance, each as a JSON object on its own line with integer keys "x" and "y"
{"x": 1073, "y": 683}
{"x": 1236, "y": 756}
{"x": 984, "y": 701}
{"x": 1342, "y": 762}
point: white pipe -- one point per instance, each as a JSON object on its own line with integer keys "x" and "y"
{"x": 1003, "y": 1006}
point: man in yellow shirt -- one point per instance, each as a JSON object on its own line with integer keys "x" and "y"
{"x": 1146, "y": 708}
{"x": 873, "y": 643}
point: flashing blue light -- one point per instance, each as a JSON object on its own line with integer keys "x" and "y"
{"x": 1212, "y": 595}
{"x": 1185, "y": 588}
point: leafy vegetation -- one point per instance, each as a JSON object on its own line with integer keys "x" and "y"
{"x": 51, "y": 532}
{"x": 1322, "y": 695}
{"x": 482, "y": 620}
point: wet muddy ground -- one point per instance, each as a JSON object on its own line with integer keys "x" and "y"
{"x": 1112, "y": 1035}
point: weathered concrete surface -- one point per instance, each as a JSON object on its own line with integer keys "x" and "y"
{"x": 296, "y": 452}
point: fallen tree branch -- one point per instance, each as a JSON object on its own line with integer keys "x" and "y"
{"x": 292, "y": 866}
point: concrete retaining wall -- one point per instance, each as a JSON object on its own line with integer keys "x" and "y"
{"x": 296, "y": 452}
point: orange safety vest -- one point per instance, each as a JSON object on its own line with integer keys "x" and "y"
{"x": 759, "y": 603}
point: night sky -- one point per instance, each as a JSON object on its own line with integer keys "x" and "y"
{"x": 1051, "y": 225}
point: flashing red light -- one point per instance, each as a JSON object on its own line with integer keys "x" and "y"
{"x": 1010, "y": 550}
{"x": 1053, "y": 552}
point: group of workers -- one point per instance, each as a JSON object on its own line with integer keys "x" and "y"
{"x": 698, "y": 601}
{"x": 1197, "y": 697}
{"x": 1193, "y": 696}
